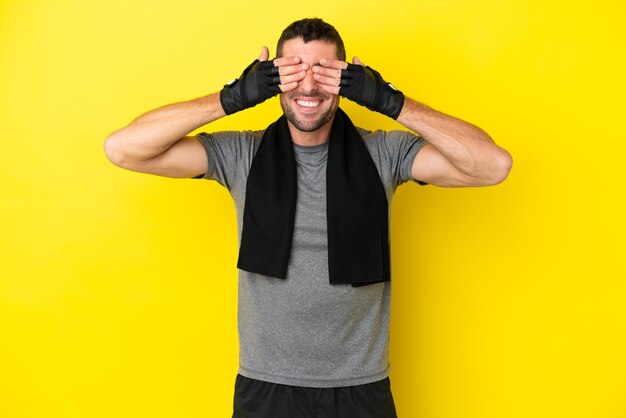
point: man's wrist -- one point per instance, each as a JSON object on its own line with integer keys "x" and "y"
{"x": 390, "y": 100}
{"x": 412, "y": 112}
{"x": 213, "y": 106}
{"x": 230, "y": 101}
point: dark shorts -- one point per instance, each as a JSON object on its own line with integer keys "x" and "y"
{"x": 259, "y": 399}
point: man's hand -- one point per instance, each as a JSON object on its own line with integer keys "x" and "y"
{"x": 261, "y": 80}
{"x": 361, "y": 84}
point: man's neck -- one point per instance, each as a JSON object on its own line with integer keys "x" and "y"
{"x": 309, "y": 139}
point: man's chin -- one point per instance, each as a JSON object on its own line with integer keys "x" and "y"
{"x": 304, "y": 124}
{"x": 307, "y": 127}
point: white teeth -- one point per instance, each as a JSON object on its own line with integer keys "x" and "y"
{"x": 307, "y": 103}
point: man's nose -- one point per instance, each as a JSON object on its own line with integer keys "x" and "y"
{"x": 308, "y": 83}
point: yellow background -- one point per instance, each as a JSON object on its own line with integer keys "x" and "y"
{"x": 118, "y": 289}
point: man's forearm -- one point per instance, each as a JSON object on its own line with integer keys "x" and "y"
{"x": 466, "y": 146}
{"x": 155, "y": 131}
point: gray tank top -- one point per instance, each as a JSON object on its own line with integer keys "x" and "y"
{"x": 302, "y": 330}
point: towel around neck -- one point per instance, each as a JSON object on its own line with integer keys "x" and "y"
{"x": 356, "y": 207}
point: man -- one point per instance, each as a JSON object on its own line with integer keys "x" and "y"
{"x": 312, "y": 193}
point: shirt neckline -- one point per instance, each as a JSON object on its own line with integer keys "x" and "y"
{"x": 310, "y": 148}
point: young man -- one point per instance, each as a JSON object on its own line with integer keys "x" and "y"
{"x": 312, "y": 193}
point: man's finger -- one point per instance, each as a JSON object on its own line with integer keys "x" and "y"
{"x": 329, "y": 81}
{"x": 292, "y": 69}
{"x": 339, "y": 65}
{"x": 329, "y": 89}
{"x": 325, "y": 71}
{"x": 265, "y": 53}
{"x": 288, "y": 79}
{"x": 355, "y": 60}
{"x": 288, "y": 87}
{"x": 286, "y": 61}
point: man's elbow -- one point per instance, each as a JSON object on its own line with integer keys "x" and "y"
{"x": 113, "y": 152}
{"x": 503, "y": 164}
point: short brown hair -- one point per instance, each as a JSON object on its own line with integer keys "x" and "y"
{"x": 312, "y": 30}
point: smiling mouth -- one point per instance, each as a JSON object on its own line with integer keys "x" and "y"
{"x": 308, "y": 103}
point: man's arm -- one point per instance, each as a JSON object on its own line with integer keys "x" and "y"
{"x": 458, "y": 154}
{"x": 156, "y": 142}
